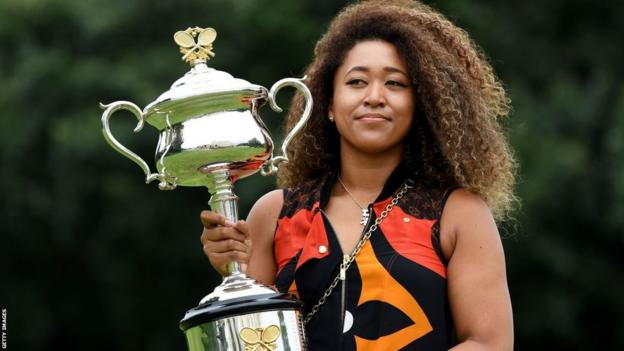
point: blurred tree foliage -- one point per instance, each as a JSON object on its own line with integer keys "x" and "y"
{"x": 91, "y": 258}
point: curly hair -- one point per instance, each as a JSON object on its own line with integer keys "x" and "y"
{"x": 455, "y": 138}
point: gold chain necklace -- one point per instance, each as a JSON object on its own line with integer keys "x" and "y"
{"x": 365, "y": 213}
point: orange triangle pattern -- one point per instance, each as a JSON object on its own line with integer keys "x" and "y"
{"x": 379, "y": 285}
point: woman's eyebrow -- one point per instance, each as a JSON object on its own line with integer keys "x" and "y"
{"x": 365, "y": 69}
{"x": 394, "y": 69}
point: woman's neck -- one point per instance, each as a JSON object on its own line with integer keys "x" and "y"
{"x": 366, "y": 172}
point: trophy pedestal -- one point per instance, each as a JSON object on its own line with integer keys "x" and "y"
{"x": 241, "y": 314}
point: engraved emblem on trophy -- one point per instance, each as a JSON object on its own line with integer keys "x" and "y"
{"x": 210, "y": 135}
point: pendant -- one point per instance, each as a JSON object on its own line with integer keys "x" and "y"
{"x": 365, "y": 216}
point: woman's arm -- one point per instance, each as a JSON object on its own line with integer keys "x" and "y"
{"x": 477, "y": 281}
{"x": 262, "y": 222}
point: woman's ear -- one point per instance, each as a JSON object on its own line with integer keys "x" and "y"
{"x": 330, "y": 112}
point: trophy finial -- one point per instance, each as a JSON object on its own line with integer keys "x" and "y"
{"x": 196, "y": 43}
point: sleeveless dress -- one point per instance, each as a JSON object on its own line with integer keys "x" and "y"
{"x": 395, "y": 291}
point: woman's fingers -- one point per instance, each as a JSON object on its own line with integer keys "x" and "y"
{"x": 223, "y": 246}
{"x": 221, "y": 233}
{"x": 212, "y": 219}
{"x": 223, "y": 241}
{"x": 242, "y": 227}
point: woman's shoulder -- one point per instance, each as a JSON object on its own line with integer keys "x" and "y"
{"x": 464, "y": 204}
{"x": 282, "y": 201}
{"x": 466, "y": 216}
{"x": 270, "y": 202}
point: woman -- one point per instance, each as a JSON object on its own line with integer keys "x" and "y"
{"x": 385, "y": 228}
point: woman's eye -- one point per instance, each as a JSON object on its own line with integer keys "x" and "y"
{"x": 356, "y": 82}
{"x": 395, "y": 83}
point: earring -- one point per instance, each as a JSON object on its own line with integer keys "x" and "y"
{"x": 331, "y": 118}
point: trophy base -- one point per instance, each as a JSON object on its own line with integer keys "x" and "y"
{"x": 244, "y": 315}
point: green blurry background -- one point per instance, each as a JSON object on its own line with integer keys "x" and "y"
{"x": 93, "y": 259}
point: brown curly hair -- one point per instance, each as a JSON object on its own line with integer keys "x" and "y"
{"x": 455, "y": 138}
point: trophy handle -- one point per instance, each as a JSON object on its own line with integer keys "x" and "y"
{"x": 129, "y": 106}
{"x": 270, "y": 167}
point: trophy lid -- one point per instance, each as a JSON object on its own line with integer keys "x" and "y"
{"x": 203, "y": 82}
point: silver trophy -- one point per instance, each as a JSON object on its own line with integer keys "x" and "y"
{"x": 211, "y": 135}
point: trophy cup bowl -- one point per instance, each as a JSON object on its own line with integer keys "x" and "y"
{"x": 211, "y": 134}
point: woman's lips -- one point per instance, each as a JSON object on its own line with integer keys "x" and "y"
{"x": 372, "y": 117}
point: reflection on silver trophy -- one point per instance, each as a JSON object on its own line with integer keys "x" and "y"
{"x": 211, "y": 135}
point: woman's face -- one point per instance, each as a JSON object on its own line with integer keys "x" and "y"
{"x": 373, "y": 103}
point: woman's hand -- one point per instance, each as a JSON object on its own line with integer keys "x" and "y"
{"x": 224, "y": 242}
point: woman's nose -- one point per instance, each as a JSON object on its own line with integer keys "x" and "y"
{"x": 375, "y": 95}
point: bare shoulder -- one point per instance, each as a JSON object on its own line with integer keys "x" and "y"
{"x": 466, "y": 218}
{"x": 267, "y": 207}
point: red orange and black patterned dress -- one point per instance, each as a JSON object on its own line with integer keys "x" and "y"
{"x": 395, "y": 291}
